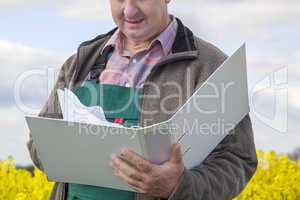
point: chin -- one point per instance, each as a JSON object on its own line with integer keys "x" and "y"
{"x": 135, "y": 35}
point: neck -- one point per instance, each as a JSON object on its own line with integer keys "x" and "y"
{"x": 135, "y": 46}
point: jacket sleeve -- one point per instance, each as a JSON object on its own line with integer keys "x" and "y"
{"x": 50, "y": 110}
{"x": 225, "y": 172}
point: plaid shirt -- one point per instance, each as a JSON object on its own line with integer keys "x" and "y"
{"x": 129, "y": 70}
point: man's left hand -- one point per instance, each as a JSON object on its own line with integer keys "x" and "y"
{"x": 147, "y": 178}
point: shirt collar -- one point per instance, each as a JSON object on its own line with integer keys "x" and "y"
{"x": 165, "y": 38}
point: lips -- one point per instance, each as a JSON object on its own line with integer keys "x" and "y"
{"x": 135, "y": 21}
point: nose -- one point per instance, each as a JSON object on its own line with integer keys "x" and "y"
{"x": 130, "y": 10}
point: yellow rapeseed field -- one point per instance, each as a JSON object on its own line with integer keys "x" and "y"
{"x": 21, "y": 185}
{"x": 277, "y": 178}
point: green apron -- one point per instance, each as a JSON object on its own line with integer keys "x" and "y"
{"x": 117, "y": 102}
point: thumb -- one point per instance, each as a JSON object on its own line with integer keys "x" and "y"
{"x": 176, "y": 156}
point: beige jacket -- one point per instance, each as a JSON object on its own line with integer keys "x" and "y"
{"x": 226, "y": 171}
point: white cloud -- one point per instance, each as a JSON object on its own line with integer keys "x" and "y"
{"x": 267, "y": 139}
{"x": 253, "y": 18}
{"x": 297, "y": 55}
{"x": 29, "y": 67}
{"x": 294, "y": 86}
{"x": 294, "y": 97}
{"x": 12, "y": 4}
{"x": 18, "y": 57}
{"x": 260, "y": 68}
{"x": 13, "y": 142}
{"x": 75, "y": 9}
{"x": 90, "y": 10}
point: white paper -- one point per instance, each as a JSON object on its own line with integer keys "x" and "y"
{"x": 74, "y": 111}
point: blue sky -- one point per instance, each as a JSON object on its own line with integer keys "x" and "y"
{"x": 41, "y": 35}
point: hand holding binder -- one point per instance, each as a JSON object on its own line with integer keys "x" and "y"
{"x": 146, "y": 177}
{"x": 152, "y": 142}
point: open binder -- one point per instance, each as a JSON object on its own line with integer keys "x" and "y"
{"x": 80, "y": 152}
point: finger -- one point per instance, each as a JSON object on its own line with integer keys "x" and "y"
{"x": 138, "y": 190}
{"x": 176, "y": 155}
{"x": 120, "y": 165}
{"x": 135, "y": 184}
{"x": 136, "y": 160}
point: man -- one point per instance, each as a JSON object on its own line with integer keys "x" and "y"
{"x": 150, "y": 49}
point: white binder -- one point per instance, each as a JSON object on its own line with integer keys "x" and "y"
{"x": 80, "y": 152}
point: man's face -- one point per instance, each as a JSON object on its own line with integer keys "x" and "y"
{"x": 140, "y": 20}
